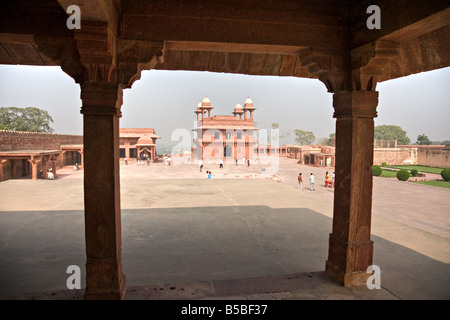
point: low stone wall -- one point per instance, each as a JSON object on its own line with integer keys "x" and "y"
{"x": 434, "y": 157}
{"x": 19, "y": 140}
{"x": 395, "y": 156}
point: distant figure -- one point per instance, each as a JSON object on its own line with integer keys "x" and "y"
{"x": 221, "y": 163}
{"x": 311, "y": 182}
{"x": 126, "y": 161}
{"x": 236, "y": 161}
{"x": 209, "y": 174}
{"x": 332, "y": 180}
{"x": 300, "y": 181}
{"x": 327, "y": 179}
{"x": 148, "y": 161}
{"x": 50, "y": 175}
{"x": 248, "y": 163}
{"x": 76, "y": 167}
{"x": 137, "y": 161}
{"x": 200, "y": 165}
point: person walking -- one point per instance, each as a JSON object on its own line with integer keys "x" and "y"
{"x": 327, "y": 179}
{"x": 248, "y": 163}
{"x": 312, "y": 185}
{"x": 200, "y": 165}
{"x": 221, "y": 163}
{"x": 300, "y": 181}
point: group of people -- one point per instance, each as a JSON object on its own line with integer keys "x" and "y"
{"x": 329, "y": 181}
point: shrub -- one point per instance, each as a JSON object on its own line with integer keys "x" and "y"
{"x": 414, "y": 172}
{"x": 445, "y": 173}
{"x": 403, "y": 175}
{"x": 376, "y": 171}
{"x": 384, "y": 164}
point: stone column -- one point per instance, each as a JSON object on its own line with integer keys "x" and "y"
{"x": 101, "y": 102}
{"x": 34, "y": 169}
{"x": 44, "y": 167}
{"x": 350, "y": 248}
{"x": 54, "y": 165}
{"x": 1, "y": 169}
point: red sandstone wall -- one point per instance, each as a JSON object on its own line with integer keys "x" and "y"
{"x": 434, "y": 158}
{"x": 17, "y": 140}
{"x": 393, "y": 156}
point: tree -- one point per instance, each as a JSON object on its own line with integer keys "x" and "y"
{"x": 390, "y": 132}
{"x": 423, "y": 140}
{"x": 25, "y": 119}
{"x": 304, "y": 137}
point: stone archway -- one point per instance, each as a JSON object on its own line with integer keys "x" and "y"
{"x": 325, "y": 40}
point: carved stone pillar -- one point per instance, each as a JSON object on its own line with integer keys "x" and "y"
{"x": 101, "y": 111}
{"x": 350, "y": 248}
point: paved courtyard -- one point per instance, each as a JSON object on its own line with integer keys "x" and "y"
{"x": 237, "y": 230}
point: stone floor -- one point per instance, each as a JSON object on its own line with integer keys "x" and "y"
{"x": 249, "y": 233}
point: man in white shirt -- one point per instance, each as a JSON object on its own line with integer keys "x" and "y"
{"x": 311, "y": 182}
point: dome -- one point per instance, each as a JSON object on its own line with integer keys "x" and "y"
{"x": 238, "y": 106}
{"x": 199, "y": 105}
{"x": 206, "y": 100}
{"x": 248, "y": 101}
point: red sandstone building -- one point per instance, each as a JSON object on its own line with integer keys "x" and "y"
{"x": 224, "y": 137}
{"x": 138, "y": 143}
{"x": 25, "y": 154}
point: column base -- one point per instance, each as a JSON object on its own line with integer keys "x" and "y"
{"x": 102, "y": 293}
{"x": 346, "y": 279}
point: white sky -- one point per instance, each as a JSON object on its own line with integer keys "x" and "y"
{"x": 166, "y": 100}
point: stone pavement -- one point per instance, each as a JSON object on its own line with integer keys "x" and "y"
{"x": 247, "y": 233}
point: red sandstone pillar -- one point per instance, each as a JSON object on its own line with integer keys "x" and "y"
{"x": 34, "y": 173}
{"x": 44, "y": 167}
{"x": 54, "y": 166}
{"x": 101, "y": 112}
{"x": 1, "y": 169}
{"x": 350, "y": 248}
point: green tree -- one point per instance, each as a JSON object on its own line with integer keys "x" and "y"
{"x": 423, "y": 140}
{"x": 391, "y": 132}
{"x": 330, "y": 140}
{"x": 304, "y": 137}
{"x": 25, "y": 119}
{"x": 323, "y": 141}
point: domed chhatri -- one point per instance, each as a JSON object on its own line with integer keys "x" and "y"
{"x": 238, "y": 106}
{"x": 206, "y": 101}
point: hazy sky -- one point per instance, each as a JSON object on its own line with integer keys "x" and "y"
{"x": 166, "y": 100}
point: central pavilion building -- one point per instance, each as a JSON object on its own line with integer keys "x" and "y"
{"x": 224, "y": 137}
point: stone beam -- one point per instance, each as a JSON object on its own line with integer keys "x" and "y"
{"x": 285, "y": 23}
{"x": 400, "y": 20}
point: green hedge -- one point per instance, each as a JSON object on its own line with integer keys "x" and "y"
{"x": 414, "y": 172}
{"x": 376, "y": 170}
{"x": 445, "y": 173}
{"x": 403, "y": 175}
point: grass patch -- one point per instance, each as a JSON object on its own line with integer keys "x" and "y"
{"x": 436, "y": 183}
{"x": 388, "y": 174}
{"x": 419, "y": 168}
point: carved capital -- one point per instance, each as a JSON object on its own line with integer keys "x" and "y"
{"x": 101, "y": 98}
{"x": 359, "y": 104}
{"x": 96, "y": 43}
